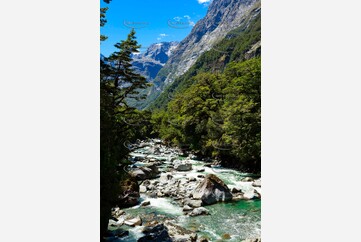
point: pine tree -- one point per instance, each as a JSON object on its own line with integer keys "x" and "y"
{"x": 103, "y": 21}
{"x": 125, "y": 80}
{"x": 118, "y": 81}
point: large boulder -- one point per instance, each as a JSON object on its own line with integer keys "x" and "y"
{"x": 180, "y": 234}
{"x": 133, "y": 222}
{"x": 157, "y": 233}
{"x": 193, "y": 203}
{"x": 212, "y": 190}
{"x": 182, "y": 166}
{"x": 145, "y": 172}
{"x": 199, "y": 211}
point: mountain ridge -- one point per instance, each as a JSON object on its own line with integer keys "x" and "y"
{"x": 222, "y": 17}
{"x": 239, "y": 44}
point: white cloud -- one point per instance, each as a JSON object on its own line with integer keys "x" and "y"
{"x": 161, "y": 36}
{"x": 203, "y": 1}
{"x": 191, "y": 23}
{"x": 187, "y": 17}
{"x": 177, "y": 18}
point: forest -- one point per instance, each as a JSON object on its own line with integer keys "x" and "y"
{"x": 213, "y": 111}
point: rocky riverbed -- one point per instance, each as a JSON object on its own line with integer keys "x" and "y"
{"x": 177, "y": 198}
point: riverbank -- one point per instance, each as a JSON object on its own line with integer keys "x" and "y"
{"x": 185, "y": 199}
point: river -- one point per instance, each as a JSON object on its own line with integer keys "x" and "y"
{"x": 231, "y": 221}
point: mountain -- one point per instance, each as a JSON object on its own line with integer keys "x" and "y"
{"x": 239, "y": 44}
{"x": 153, "y": 59}
{"x": 222, "y": 17}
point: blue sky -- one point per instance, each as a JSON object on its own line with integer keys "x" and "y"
{"x": 153, "y": 20}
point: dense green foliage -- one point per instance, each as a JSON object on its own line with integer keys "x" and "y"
{"x": 232, "y": 47}
{"x": 119, "y": 124}
{"x": 219, "y": 115}
{"x": 103, "y": 21}
{"x": 214, "y": 109}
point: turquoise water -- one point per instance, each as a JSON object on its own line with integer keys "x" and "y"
{"x": 233, "y": 221}
{"x": 240, "y": 220}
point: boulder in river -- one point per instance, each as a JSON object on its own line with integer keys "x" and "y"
{"x": 133, "y": 222}
{"x": 182, "y": 166}
{"x": 186, "y": 208}
{"x": 180, "y": 234}
{"x": 193, "y": 203}
{"x": 212, "y": 190}
{"x": 158, "y": 233}
{"x": 146, "y": 203}
{"x": 145, "y": 172}
{"x": 199, "y": 211}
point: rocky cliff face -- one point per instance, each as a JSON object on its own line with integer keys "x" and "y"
{"x": 153, "y": 59}
{"x": 222, "y": 17}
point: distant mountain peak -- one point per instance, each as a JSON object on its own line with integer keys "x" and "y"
{"x": 159, "y": 52}
{"x": 222, "y": 16}
{"x": 149, "y": 62}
